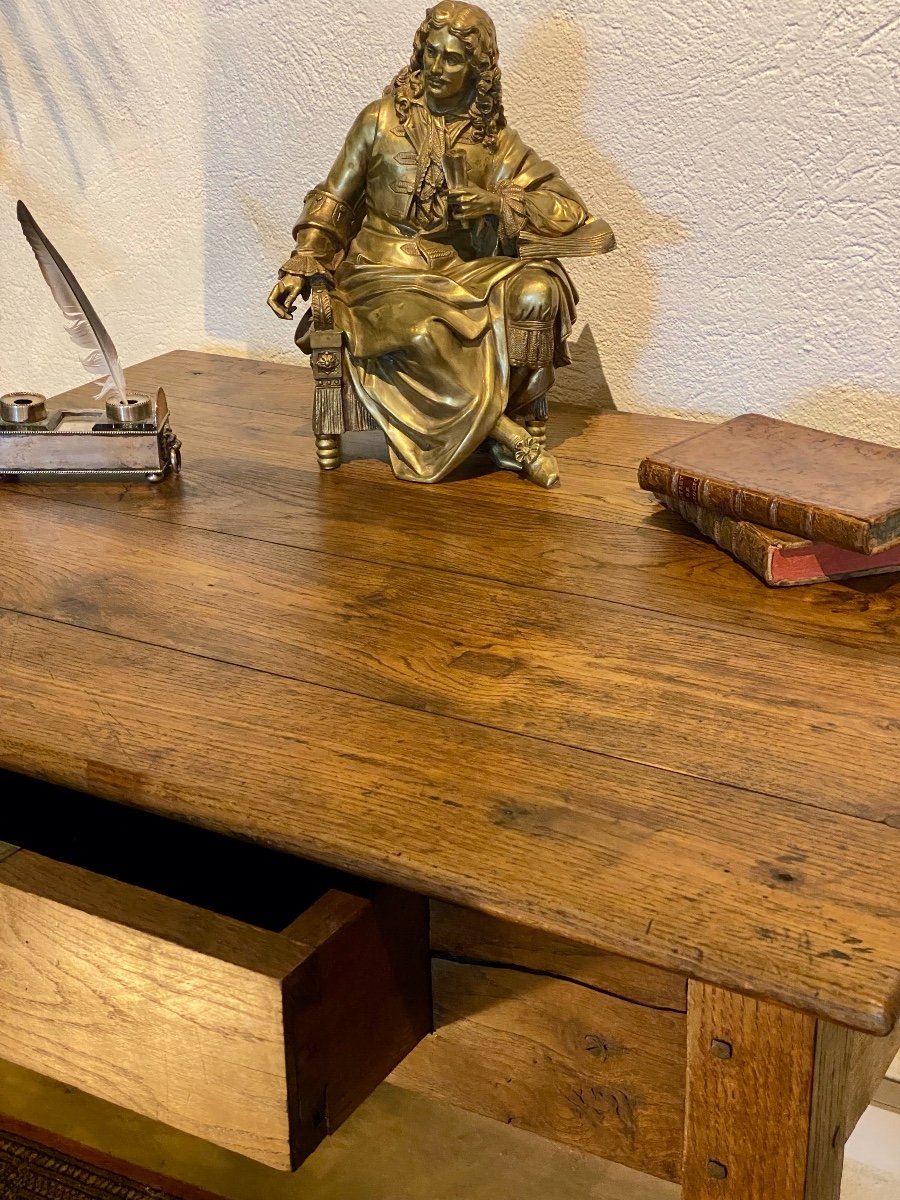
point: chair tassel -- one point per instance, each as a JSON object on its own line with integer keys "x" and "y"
{"x": 328, "y": 408}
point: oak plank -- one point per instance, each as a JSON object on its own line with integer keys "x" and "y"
{"x": 749, "y": 712}
{"x": 584, "y": 1068}
{"x": 209, "y": 433}
{"x": 648, "y": 864}
{"x": 257, "y": 1041}
{"x": 252, "y": 475}
{"x": 248, "y": 409}
{"x": 462, "y": 933}
{"x": 764, "y": 1121}
{"x": 108, "y": 988}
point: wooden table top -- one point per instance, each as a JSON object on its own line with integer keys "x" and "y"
{"x": 562, "y": 708}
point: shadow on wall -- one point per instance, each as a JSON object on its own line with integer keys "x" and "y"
{"x": 842, "y": 408}
{"x": 584, "y": 382}
{"x": 619, "y": 292}
{"x": 50, "y": 53}
{"x": 275, "y": 246}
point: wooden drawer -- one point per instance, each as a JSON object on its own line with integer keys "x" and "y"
{"x": 232, "y": 992}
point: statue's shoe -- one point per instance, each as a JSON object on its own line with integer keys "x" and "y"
{"x": 544, "y": 470}
{"x": 528, "y": 456}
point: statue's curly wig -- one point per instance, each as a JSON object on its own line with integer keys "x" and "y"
{"x": 476, "y": 31}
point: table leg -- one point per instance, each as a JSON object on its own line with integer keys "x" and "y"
{"x": 766, "y": 1100}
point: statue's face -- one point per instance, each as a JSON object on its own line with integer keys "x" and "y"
{"x": 445, "y": 69}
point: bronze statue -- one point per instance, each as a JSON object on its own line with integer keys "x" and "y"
{"x": 439, "y": 307}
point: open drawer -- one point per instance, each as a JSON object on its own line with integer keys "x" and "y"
{"x": 233, "y": 992}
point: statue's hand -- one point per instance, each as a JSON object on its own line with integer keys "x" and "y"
{"x": 285, "y": 293}
{"x": 468, "y": 203}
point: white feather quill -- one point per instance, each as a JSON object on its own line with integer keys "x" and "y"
{"x": 100, "y": 357}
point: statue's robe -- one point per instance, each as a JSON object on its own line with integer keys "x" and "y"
{"x": 423, "y": 300}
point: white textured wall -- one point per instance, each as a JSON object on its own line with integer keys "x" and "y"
{"x": 746, "y": 153}
{"x": 102, "y": 133}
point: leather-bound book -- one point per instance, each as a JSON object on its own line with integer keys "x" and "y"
{"x": 818, "y": 486}
{"x": 782, "y": 559}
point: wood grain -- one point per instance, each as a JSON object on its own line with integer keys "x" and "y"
{"x": 463, "y": 933}
{"x": 158, "y": 1025}
{"x": 252, "y": 475}
{"x": 828, "y": 1116}
{"x": 374, "y": 978}
{"x": 646, "y": 765}
{"x": 766, "y": 1115}
{"x": 549, "y": 1035}
{"x": 259, "y": 1042}
{"x": 564, "y": 711}
{"x": 561, "y": 1060}
{"x": 720, "y": 706}
{"x": 597, "y": 491}
{"x": 740, "y": 889}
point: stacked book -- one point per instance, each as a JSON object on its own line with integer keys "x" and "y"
{"x": 596, "y": 237}
{"x": 796, "y": 505}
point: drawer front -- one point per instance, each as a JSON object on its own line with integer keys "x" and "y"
{"x": 257, "y": 1041}
{"x": 587, "y": 1049}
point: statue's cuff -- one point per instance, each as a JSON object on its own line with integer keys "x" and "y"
{"x": 513, "y": 214}
{"x": 323, "y": 211}
{"x": 304, "y": 264}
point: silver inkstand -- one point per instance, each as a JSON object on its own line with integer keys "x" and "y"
{"x": 127, "y": 435}
{"x": 131, "y": 439}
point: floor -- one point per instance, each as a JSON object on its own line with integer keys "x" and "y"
{"x": 402, "y": 1147}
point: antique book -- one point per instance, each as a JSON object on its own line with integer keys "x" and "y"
{"x": 595, "y": 237}
{"x": 782, "y": 559}
{"x": 819, "y": 486}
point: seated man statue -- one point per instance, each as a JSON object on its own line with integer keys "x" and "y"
{"x": 449, "y": 336}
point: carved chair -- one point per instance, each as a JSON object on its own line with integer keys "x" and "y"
{"x": 335, "y": 412}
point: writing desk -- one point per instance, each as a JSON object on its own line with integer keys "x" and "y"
{"x": 655, "y": 804}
